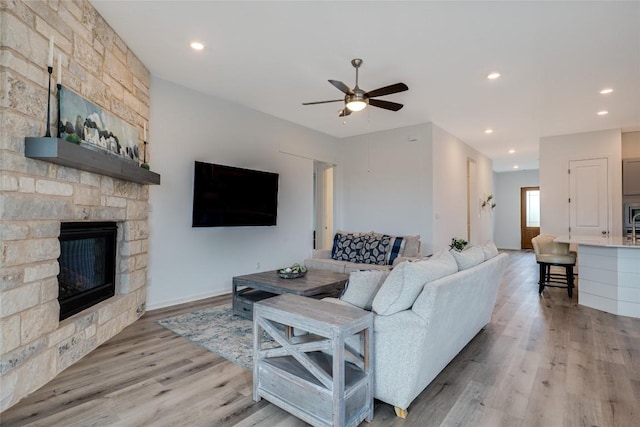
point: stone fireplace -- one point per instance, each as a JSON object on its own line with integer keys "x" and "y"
{"x": 37, "y": 196}
{"x": 36, "y": 344}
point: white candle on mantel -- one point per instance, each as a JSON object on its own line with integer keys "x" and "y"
{"x": 59, "y": 69}
{"x": 50, "y": 60}
{"x": 145, "y": 131}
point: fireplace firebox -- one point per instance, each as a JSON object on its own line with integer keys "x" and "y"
{"x": 87, "y": 265}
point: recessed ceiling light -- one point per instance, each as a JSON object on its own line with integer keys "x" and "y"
{"x": 197, "y": 46}
{"x": 493, "y": 75}
{"x": 488, "y": 131}
{"x": 516, "y": 166}
{"x": 603, "y": 113}
{"x": 512, "y": 151}
{"x": 606, "y": 91}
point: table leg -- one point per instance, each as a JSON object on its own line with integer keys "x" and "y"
{"x": 289, "y": 332}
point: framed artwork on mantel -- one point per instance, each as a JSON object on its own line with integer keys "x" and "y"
{"x": 86, "y": 124}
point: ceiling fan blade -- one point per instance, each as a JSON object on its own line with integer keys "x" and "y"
{"x": 341, "y": 86}
{"x": 322, "y": 102}
{"x": 388, "y": 90}
{"x": 387, "y": 105}
{"x": 344, "y": 112}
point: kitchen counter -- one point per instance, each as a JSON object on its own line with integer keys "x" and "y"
{"x": 609, "y": 273}
{"x": 607, "y": 241}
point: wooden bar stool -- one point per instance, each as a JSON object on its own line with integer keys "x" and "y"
{"x": 550, "y": 253}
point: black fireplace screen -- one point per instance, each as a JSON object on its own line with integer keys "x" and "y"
{"x": 87, "y": 265}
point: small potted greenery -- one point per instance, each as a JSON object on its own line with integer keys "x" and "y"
{"x": 458, "y": 244}
{"x": 293, "y": 272}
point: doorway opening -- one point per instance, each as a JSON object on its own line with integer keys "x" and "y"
{"x": 323, "y": 194}
{"x": 529, "y": 215}
{"x": 472, "y": 197}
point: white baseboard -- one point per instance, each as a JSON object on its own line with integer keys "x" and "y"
{"x": 167, "y": 303}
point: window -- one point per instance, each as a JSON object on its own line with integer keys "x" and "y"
{"x": 533, "y": 208}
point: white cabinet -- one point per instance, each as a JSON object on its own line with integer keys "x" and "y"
{"x": 589, "y": 197}
{"x": 631, "y": 177}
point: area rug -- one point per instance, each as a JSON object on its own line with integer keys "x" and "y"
{"x": 218, "y": 330}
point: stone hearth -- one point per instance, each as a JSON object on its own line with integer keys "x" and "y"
{"x": 37, "y": 196}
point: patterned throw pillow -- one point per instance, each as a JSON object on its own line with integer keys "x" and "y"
{"x": 375, "y": 249}
{"x": 348, "y": 247}
{"x": 396, "y": 249}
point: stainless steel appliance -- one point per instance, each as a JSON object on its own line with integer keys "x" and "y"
{"x": 630, "y": 210}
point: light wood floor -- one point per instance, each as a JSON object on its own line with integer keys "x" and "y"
{"x": 542, "y": 361}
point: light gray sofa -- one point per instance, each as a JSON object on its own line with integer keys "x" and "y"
{"x": 425, "y": 315}
{"x": 321, "y": 259}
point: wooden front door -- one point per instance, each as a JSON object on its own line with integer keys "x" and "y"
{"x": 529, "y": 215}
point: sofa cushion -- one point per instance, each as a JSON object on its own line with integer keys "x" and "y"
{"x": 412, "y": 246}
{"x": 348, "y": 247}
{"x": 350, "y": 267}
{"x": 469, "y": 257}
{"x": 362, "y": 287}
{"x": 406, "y": 280}
{"x": 489, "y": 250}
{"x": 375, "y": 249}
{"x": 325, "y": 264}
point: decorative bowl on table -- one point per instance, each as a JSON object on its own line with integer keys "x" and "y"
{"x": 293, "y": 272}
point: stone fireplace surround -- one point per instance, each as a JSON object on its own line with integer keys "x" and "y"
{"x": 37, "y": 196}
{"x": 35, "y": 345}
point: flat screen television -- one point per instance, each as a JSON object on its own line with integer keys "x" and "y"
{"x": 226, "y": 196}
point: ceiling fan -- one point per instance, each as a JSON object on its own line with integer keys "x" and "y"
{"x": 357, "y": 99}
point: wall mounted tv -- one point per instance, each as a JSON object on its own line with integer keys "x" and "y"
{"x": 226, "y": 196}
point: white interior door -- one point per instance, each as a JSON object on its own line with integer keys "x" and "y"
{"x": 589, "y": 197}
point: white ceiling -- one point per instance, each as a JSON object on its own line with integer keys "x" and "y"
{"x": 554, "y": 58}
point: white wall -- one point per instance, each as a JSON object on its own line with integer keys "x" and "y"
{"x": 412, "y": 180}
{"x": 555, "y": 154}
{"x": 385, "y": 183}
{"x": 506, "y": 234}
{"x": 191, "y": 263}
{"x": 388, "y": 181}
{"x": 450, "y": 156}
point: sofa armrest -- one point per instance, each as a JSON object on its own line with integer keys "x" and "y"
{"x": 321, "y": 254}
{"x": 400, "y": 351}
{"x": 400, "y": 321}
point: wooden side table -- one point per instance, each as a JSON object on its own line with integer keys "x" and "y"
{"x": 254, "y": 287}
{"x": 316, "y": 377}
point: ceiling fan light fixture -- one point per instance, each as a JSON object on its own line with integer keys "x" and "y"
{"x": 356, "y": 105}
{"x": 356, "y": 101}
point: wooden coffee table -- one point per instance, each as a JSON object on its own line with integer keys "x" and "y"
{"x": 258, "y": 286}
